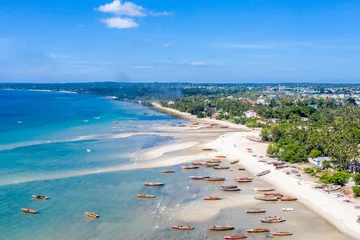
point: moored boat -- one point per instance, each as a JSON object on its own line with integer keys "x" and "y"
{"x": 197, "y": 177}
{"x": 241, "y": 169}
{"x": 214, "y": 179}
{"x": 230, "y": 189}
{"x": 272, "y": 219}
{"x": 180, "y": 227}
{"x": 237, "y": 236}
{"x": 27, "y": 210}
{"x": 207, "y": 149}
{"x": 221, "y": 167}
{"x": 221, "y": 156}
{"x": 263, "y": 173}
{"x": 220, "y": 228}
{"x": 288, "y": 209}
{"x": 40, "y": 197}
{"x": 281, "y": 233}
{"x": 255, "y": 210}
{"x": 154, "y": 184}
{"x": 91, "y": 215}
{"x": 278, "y": 195}
{"x": 228, "y": 186}
{"x": 145, "y": 196}
{"x": 213, "y": 161}
{"x": 198, "y": 163}
{"x": 189, "y": 167}
{"x": 288, "y": 199}
{"x": 212, "y": 198}
{"x": 244, "y": 179}
{"x": 266, "y": 198}
{"x": 235, "y": 161}
{"x": 168, "y": 171}
{"x": 257, "y": 230}
{"x": 211, "y": 164}
{"x": 263, "y": 189}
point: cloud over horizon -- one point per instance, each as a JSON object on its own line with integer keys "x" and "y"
{"x": 124, "y": 14}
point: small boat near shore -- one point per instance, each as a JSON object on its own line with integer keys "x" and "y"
{"x": 237, "y": 236}
{"x": 228, "y": 186}
{"x": 189, "y": 167}
{"x": 263, "y": 173}
{"x": 266, "y": 198}
{"x": 220, "y": 228}
{"x": 198, "y": 163}
{"x": 168, "y": 171}
{"x": 230, "y": 189}
{"x": 263, "y": 189}
{"x": 288, "y": 199}
{"x": 180, "y": 227}
{"x": 211, "y": 164}
{"x": 255, "y": 210}
{"x": 154, "y": 184}
{"x": 145, "y": 196}
{"x": 288, "y": 209}
{"x": 278, "y": 195}
{"x": 212, "y": 198}
{"x": 258, "y": 230}
{"x": 219, "y": 179}
{"x": 281, "y": 233}
{"x": 234, "y": 162}
{"x": 213, "y": 161}
{"x": 40, "y": 197}
{"x": 220, "y": 167}
{"x": 244, "y": 179}
{"x": 30, "y": 211}
{"x": 272, "y": 219}
{"x": 91, "y": 215}
{"x": 207, "y": 149}
{"x": 241, "y": 169}
{"x": 221, "y": 156}
{"x": 197, "y": 177}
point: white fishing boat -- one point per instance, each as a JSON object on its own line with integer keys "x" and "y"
{"x": 85, "y": 121}
{"x": 97, "y": 118}
{"x": 88, "y": 150}
{"x": 19, "y": 122}
{"x": 288, "y": 209}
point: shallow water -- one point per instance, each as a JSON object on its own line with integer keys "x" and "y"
{"x": 53, "y": 145}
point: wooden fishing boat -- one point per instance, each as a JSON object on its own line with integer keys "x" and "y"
{"x": 145, "y": 196}
{"x": 213, "y": 161}
{"x": 263, "y": 173}
{"x": 222, "y": 126}
{"x": 263, "y": 189}
{"x": 288, "y": 199}
{"x": 220, "y": 228}
{"x": 27, "y": 210}
{"x": 154, "y": 184}
{"x": 197, "y": 177}
{"x": 288, "y": 209}
{"x": 189, "y": 167}
{"x": 40, "y": 197}
{"x": 257, "y": 230}
{"x": 237, "y": 236}
{"x": 278, "y": 195}
{"x": 221, "y": 156}
{"x": 235, "y": 161}
{"x": 214, "y": 179}
{"x": 211, "y": 164}
{"x": 272, "y": 219}
{"x": 180, "y": 227}
{"x": 91, "y": 215}
{"x": 281, "y": 233}
{"x": 212, "y": 198}
{"x": 266, "y": 198}
{"x": 168, "y": 171}
{"x": 241, "y": 169}
{"x": 198, "y": 163}
{"x": 230, "y": 189}
{"x": 228, "y": 186}
{"x": 255, "y": 210}
{"x": 220, "y": 167}
{"x": 207, "y": 149}
{"x": 244, "y": 179}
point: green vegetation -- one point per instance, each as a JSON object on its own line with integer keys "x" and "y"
{"x": 339, "y": 178}
{"x": 356, "y": 191}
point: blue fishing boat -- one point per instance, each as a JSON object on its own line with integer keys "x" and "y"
{"x": 263, "y": 173}
{"x": 230, "y": 189}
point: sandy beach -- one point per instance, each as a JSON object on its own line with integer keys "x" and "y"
{"x": 233, "y": 144}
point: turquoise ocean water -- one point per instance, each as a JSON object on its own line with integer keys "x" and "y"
{"x": 47, "y": 155}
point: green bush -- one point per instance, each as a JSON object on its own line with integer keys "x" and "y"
{"x": 325, "y": 164}
{"x": 339, "y": 178}
{"x": 309, "y": 170}
{"x": 357, "y": 179}
{"x": 315, "y": 153}
{"x": 356, "y": 191}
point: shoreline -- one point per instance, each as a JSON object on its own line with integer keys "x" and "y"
{"x": 340, "y": 214}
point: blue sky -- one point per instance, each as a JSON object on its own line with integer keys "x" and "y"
{"x": 180, "y": 40}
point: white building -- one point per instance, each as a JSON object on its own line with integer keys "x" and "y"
{"x": 250, "y": 114}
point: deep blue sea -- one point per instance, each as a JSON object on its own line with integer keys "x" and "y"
{"x": 61, "y": 145}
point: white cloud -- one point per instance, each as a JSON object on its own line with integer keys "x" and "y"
{"x": 58, "y": 56}
{"x": 144, "y": 66}
{"x": 118, "y": 22}
{"x": 197, "y": 64}
{"x": 166, "y": 45}
{"x": 127, "y": 8}
{"x": 125, "y": 12}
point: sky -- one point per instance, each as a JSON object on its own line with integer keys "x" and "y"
{"x": 180, "y": 41}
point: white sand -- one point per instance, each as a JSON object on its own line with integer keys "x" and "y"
{"x": 160, "y": 151}
{"x": 341, "y": 215}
